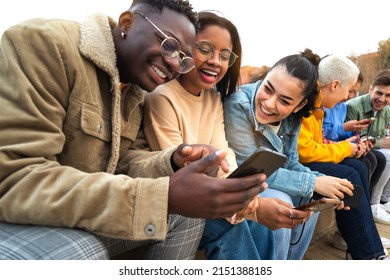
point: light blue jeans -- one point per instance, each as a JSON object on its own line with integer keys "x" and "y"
{"x": 252, "y": 241}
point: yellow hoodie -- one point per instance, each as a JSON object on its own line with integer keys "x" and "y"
{"x": 311, "y": 145}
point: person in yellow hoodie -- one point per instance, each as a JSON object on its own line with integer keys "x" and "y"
{"x": 337, "y": 75}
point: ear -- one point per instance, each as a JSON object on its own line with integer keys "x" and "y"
{"x": 300, "y": 106}
{"x": 370, "y": 89}
{"x": 334, "y": 85}
{"x": 125, "y": 20}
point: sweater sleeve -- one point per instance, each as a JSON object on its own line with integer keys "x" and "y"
{"x": 311, "y": 147}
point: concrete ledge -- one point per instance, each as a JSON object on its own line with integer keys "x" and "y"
{"x": 326, "y": 225}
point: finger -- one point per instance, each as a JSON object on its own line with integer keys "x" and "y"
{"x": 252, "y": 207}
{"x": 243, "y": 197}
{"x": 240, "y": 215}
{"x": 232, "y": 209}
{"x": 345, "y": 183}
{"x": 184, "y": 150}
{"x": 205, "y": 163}
{"x": 285, "y": 203}
{"x": 300, "y": 214}
{"x": 347, "y": 190}
{"x": 213, "y": 171}
{"x": 225, "y": 166}
{"x": 180, "y": 156}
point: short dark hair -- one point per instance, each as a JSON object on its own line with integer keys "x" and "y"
{"x": 180, "y": 6}
{"x": 228, "y": 84}
{"x": 360, "y": 77}
{"x": 382, "y": 79}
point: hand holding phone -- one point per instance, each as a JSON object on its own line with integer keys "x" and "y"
{"x": 264, "y": 160}
{"x": 354, "y": 200}
{"x": 321, "y": 204}
{"x": 351, "y": 201}
{"x": 368, "y": 138}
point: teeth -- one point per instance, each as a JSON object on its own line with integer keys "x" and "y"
{"x": 210, "y": 72}
{"x": 159, "y": 72}
{"x": 265, "y": 111}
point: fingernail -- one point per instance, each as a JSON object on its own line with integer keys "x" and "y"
{"x": 219, "y": 152}
{"x": 234, "y": 218}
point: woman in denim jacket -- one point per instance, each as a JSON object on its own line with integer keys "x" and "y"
{"x": 268, "y": 114}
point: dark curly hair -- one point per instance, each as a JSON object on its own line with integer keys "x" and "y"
{"x": 228, "y": 84}
{"x": 303, "y": 66}
{"x": 180, "y": 6}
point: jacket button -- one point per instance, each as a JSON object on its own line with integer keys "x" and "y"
{"x": 150, "y": 230}
{"x": 100, "y": 128}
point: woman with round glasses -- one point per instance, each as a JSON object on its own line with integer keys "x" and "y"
{"x": 189, "y": 109}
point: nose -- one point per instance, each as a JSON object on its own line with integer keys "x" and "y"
{"x": 382, "y": 98}
{"x": 271, "y": 102}
{"x": 215, "y": 59}
{"x": 174, "y": 64}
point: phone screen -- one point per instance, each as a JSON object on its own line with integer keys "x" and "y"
{"x": 262, "y": 161}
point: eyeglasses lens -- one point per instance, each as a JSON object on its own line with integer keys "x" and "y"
{"x": 170, "y": 48}
{"x": 206, "y": 51}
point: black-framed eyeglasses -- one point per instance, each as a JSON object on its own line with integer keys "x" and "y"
{"x": 171, "y": 48}
{"x": 206, "y": 51}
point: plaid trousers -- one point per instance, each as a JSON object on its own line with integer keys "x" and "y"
{"x": 29, "y": 242}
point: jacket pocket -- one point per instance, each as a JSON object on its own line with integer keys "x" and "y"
{"x": 93, "y": 124}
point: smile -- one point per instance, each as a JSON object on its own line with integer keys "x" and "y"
{"x": 159, "y": 72}
{"x": 264, "y": 111}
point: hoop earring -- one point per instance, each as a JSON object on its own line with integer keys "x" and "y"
{"x": 123, "y": 35}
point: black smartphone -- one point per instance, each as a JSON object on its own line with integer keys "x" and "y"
{"x": 264, "y": 160}
{"x": 353, "y": 201}
{"x": 321, "y": 204}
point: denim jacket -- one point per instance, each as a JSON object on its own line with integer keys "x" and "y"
{"x": 245, "y": 135}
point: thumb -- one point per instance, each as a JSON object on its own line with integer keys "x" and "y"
{"x": 208, "y": 162}
{"x": 352, "y": 139}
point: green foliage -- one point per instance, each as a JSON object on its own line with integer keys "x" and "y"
{"x": 384, "y": 54}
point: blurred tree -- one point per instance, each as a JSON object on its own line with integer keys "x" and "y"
{"x": 368, "y": 65}
{"x": 371, "y": 63}
{"x": 251, "y": 74}
{"x": 384, "y": 54}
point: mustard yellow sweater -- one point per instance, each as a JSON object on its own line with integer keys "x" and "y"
{"x": 173, "y": 116}
{"x": 311, "y": 147}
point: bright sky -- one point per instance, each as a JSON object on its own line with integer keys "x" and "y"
{"x": 269, "y": 29}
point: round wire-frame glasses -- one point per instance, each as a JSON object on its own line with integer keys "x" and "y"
{"x": 171, "y": 48}
{"x": 206, "y": 51}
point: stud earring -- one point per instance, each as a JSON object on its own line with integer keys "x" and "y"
{"x": 123, "y": 35}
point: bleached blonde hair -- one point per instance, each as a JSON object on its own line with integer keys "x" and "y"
{"x": 334, "y": 67}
